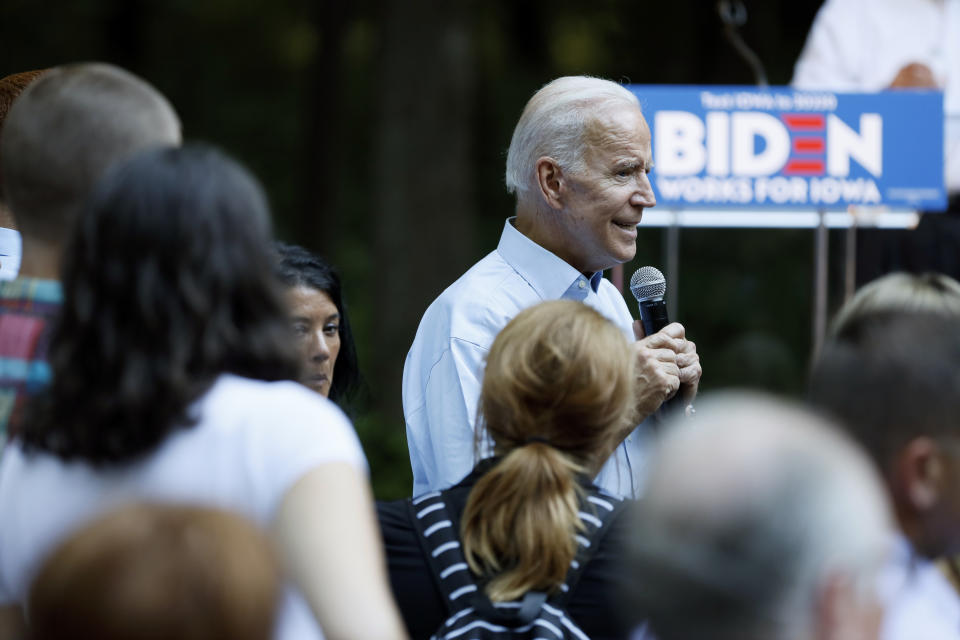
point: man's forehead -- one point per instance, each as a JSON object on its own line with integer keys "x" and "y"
{"x": 621, "y": 125}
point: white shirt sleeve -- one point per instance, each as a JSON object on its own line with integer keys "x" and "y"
{"x": 442, "y": 436}
{"x": 831, "y": 56}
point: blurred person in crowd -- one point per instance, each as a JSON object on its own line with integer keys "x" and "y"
{"x": 578, "y": 164}
{"x": 59, "y": 137}
{"x": 893, "y": 379}
{"x": 162, "y": 572}
{"x": 860, "y": 46}
{"x": 759, "y": 522}
{"x": 320, "y": 323}
{"x": 10, "y": 88}
{"x": 929, "y": 292}
{"x": 172, "y": 331}
{"x": 558, "y": 396}
{"x": 934, "y": 293}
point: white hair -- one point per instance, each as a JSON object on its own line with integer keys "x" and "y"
{"x": 749, "y": 511}
{"x": 553, "y": 123}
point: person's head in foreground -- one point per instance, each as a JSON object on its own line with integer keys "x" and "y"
{"x": 10, "y": 89}
{"x": 930, "y": 292}
{"x": 62, "y": 134}
{"x": 320, "y": 322}
{"x": 168, "y": 283}
{"x": 893, "y": 379}
{"x": 759, "y": 522}
{"x": 557, "y": 398}
{"x": 151, "y": 572}
{"x": 578, "y": 163}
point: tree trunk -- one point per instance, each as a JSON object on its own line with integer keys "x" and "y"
{"x": 424, "y": 212}
{"x": 317, "y": 224}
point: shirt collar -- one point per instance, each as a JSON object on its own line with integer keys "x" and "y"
{"x": 549, "y": 275}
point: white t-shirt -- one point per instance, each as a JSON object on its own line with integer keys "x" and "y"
{"x": 252, "y": 442}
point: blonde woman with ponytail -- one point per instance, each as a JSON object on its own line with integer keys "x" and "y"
{"x": 557, "y": 398}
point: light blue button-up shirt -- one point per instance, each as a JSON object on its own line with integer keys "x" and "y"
{"x": 444, "y": 368}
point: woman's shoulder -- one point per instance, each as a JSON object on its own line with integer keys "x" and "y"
{"x": 280, "y": 417}
{"x": 282, "y": 401}
{"x": 241, "y": 389}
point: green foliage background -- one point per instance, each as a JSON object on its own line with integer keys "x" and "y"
{"x": 379, "y": 130}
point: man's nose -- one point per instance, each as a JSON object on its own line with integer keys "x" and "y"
{"x": 643, "y": 195}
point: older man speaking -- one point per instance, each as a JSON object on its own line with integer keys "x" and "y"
{"x": 578, "y": 163}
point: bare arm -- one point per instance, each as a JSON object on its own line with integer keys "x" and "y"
{"x": 330, "y": 546}
{"x": 12, "y": 626}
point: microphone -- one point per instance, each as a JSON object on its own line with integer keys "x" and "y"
{"x": 648, "y": 286}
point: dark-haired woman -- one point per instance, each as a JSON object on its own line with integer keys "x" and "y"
{"x": 320, "y": 323}
{"x": 557, "y": 398}
{"x": 167, "y": 385}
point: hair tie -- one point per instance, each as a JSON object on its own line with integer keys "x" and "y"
{"x": 538, "y": 439}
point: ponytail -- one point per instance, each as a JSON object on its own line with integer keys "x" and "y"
{"x": 557, "y": 397}
{"x": 520, "y": 520}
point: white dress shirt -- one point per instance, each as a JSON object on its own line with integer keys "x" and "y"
{"x": 860, "y": 45}
{"x": 920, "y": 602}
{"x": 444, "y": 368}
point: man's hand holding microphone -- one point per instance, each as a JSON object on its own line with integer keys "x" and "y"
{"x": 668, "y": 366}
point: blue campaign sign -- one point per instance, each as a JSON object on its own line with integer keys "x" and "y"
{"x": 744, "y": 147}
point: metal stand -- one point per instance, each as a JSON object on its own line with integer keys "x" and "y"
{"x": 850, "y": 262}
{"x": 821, "y": 250}
{"x": 673, "y": 267}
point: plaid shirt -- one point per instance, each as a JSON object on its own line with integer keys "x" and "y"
{"x": 27, "y": 309}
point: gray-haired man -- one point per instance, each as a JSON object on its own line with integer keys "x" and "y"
{"x": 578, "y": 163}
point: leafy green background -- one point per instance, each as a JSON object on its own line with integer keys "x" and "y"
{"x": 379, "y": 130}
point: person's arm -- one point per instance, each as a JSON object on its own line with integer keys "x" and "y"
{"x": 330, "y": 547}
{"x": 450, "y": 406}
{"x": 12, "y": 626}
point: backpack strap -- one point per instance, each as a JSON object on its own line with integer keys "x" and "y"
{"x": 440, "y": 542}
{"x": 597, "y": 512}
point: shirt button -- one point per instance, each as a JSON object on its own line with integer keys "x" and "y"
{"x": 582, "y": 284}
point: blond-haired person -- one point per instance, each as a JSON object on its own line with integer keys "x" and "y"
{"x": 558, "y": 396}
{"x": 901, "y": 292}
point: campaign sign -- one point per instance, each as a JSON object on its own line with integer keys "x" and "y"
{"x": 743, "y": 147}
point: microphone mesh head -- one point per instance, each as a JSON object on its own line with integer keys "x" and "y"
{"x": 648, "y": 282}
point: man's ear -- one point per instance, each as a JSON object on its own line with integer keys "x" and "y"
{"x": 918, "y": 473}
{"x": 551, "y": 181}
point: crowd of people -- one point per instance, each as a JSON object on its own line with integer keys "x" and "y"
{"x": 176, "y": 390}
